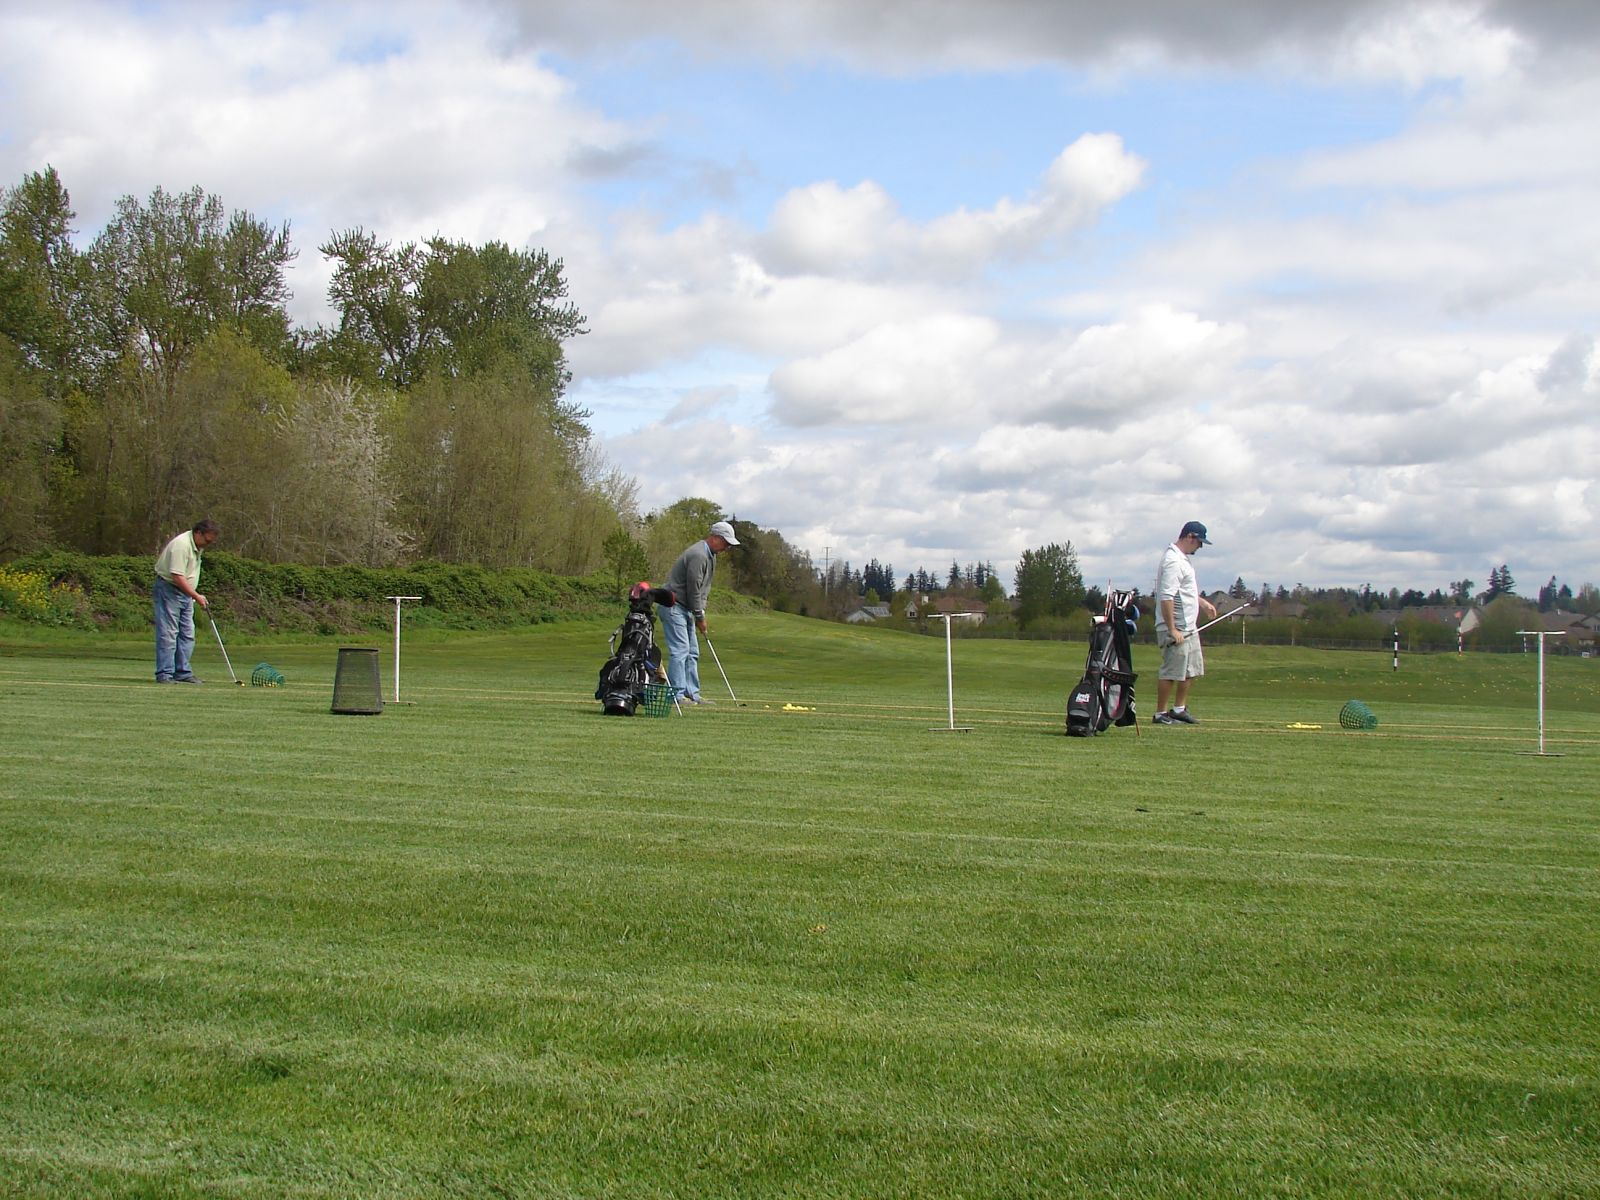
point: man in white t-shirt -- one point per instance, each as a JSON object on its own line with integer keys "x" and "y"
{"x": 1179, "y": 606}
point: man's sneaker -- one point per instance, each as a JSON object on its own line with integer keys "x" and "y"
{"x": 1165, "y": 718}
{"x": 701, "y": 700}
{"x": 1184, "y": 716}
{"x": 189, "y": 679}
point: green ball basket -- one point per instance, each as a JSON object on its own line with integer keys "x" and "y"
{"x": 1356, "y": 715}
{"x": 266, "y": 675}
{"x": 657, "y": 700}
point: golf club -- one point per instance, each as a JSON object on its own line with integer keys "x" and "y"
{"x": 718, "y": 661}
{"x": 223, "y": 648}
{"x": 1232, "y": 612}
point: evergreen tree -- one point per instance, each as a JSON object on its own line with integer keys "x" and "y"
{"x": 1500, "y": 583}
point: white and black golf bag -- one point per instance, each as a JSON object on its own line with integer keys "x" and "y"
{"x": 634, "y": 660}
{"x": 1104, "y": 696}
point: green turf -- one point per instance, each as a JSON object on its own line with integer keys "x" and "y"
{"x": 494, "y": 944}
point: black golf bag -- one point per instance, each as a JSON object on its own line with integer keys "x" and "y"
{"x": 634, "y": 660}
{"x": 1104, "y": 696}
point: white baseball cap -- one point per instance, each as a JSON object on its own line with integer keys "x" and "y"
{"x": 724, "y": 531}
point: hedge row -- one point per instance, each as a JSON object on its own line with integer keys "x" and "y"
{"x": 113, "y": 592}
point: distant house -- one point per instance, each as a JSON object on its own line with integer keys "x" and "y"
{"x": 968, "y": 609}
{"x": 1580, "y": 632}
{"x": 868, "y": 614}
{"x": 1461, "y": 618}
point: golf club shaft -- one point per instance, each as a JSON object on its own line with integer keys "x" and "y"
{"x": 1230, "y": 613}
{"x": 218, "y": 635}
{"x": 724, "y": 674}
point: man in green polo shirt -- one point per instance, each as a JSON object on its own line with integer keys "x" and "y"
{"x": 176, "y": 593}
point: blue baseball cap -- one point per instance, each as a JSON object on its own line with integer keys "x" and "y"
{"x": 1198, "y": 530}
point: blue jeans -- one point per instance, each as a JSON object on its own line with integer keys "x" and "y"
{"x": 683, "y": 649}
{"x": 174, "y": 632}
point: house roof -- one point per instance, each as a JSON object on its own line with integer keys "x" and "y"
{"x": 1556, "y": 621}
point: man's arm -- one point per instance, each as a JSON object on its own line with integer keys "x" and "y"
{"x": 182, "y": 584}
{"x": 1169, "y": 618}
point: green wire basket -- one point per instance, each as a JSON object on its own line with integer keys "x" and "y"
{"x": 266, "y": 675}
{"x": 657, "y": 699}
{"x": 1356, "y": 715}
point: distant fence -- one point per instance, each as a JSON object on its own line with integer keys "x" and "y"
{"x": 960, "y": 630}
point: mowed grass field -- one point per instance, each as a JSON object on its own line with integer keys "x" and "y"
{"x": 492, "y": 943}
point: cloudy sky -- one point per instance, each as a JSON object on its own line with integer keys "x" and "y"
{"x": 935, "y": 280}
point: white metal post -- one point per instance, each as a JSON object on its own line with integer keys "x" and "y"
{"x": 950, "y": 678}
{"x": 1541, "y": 634}
{"x": 397, "y": 600}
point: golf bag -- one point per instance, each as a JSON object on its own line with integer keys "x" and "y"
{"x": 635, "y": 658}
{"x": 1104, "y": 696}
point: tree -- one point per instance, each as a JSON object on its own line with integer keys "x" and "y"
{"x": 766, "y": 565}
{"x": 626, "y": 558}
{"x": 1502, "y": 618}
{"x": 680, "y": 524}
{"x": 1547, "y": 595}
{"x": 1500, "y": 583}
{"x": 167, "y": 273}
{"x": 41, "y": 280}
{"x": 446, "y": 307}
{"x": 30, "y": 428}
{"x": 335, "y": 501}
{"x": 1461, "y": 591}
{"x": 482, "y": 476}
{"x": 1048, "y": 583}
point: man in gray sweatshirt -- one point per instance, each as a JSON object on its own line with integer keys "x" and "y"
{"x": 690, "y": 581}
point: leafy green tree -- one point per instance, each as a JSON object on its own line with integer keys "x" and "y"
{"x": 626, "y": 559}
{"x": 41, "y": 280}
{"x": 30, "y": 430}
{"x": 1502, "y": 618}
{"x": 481, "y": 476}
{"x": 449, "y": 308}
{"x": 768, "y": 566}
{"x": 682, "y": 522}
{"x": 167, "y": 273}
{"x": 1048, "y": 583}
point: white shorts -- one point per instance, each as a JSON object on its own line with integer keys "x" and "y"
{"x": 1181, "y": 661}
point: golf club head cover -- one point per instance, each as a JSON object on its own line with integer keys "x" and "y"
{"x": 643, "y": 593}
